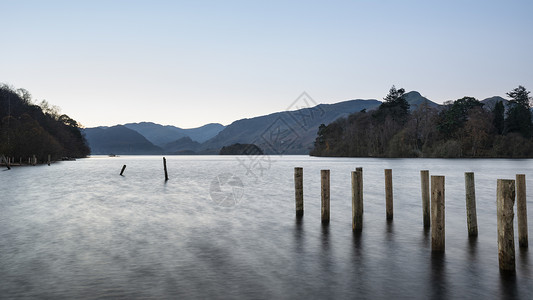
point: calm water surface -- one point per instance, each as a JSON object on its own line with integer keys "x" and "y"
{"x": 225, "y": 227}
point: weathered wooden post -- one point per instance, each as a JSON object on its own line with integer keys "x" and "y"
{"x": 437, "y": 213}
{"x": 122, "y": 171}
{"x": 324, "y": 179}
{"x": 388, "y": 193}
{"x": 471, "y": 216}
{"x": 505, "y": 194}
{"x": 424, "y": 182}
{"x": 521, "y": 210}
{"x": 34, "y": 160}
{"x": 165, "y": 167}
{"x": 360, "y": 169}
{"x": 299, "y": 191}
{"x": 49, "y": 159}
{"x": 357, "y": 200}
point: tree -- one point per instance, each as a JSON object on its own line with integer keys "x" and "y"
{"x": 519, "y": 113}
{"x": 394, "y": 106}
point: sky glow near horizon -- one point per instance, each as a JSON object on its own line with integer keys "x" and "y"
{"x": 189, "y": 63}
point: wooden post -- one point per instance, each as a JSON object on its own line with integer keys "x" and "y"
{"x": 165, "y": 167}
{"x": 34, "y": 160}
{"x": 505, "y": 194}
{"x": 7, "y": 163}
{"x": 299, "y": 191}
{"x": 424, "y": 180}
{"x": 357, "y": 200}
{"x": 437, "y": 213}
{"x": 49, "y": 158}
{"x": 388, "y": 193}
{"x": 122, "y": 171}
{"x": 360, "y": 169}
{"x": 521, "y": 210}
{"x": 471, "y": 216}
{"x": 324, "y": 178}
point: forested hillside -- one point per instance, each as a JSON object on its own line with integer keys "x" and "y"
{"x": 27, "y": 129}
{"x": 462, "y": 128}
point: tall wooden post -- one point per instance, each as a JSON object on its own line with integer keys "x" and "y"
{"x": 165, "y": 167}
{"x": 437, "y": 213}
{"x": 521, "y": 210}
{"x": 505, "y": 197}
{"x": 388, "y": 193}
{"x": 49, "y": 159}
{"x": 299, "y": 191}
{"x": 471, "y": 216}
{"x": 424, "y": 180}
{"x": 324, "y": 179}
{"x": 34, "y": 160}
{"x": 357, "y": 200}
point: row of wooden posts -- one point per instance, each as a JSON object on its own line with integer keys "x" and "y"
{"x": 9, "y": 161}
{"x": 433, "y": 211}
{"x": 164, "y": 168}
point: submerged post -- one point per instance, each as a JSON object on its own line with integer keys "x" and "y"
{"x": 324, "y": 179}
{"x": 437, "y": 213}
{"x": 165, "y": 167}
{"x": 357, "y": 200}
{"x": 521, "y": 210}
{"x": 471, "y": 216}
{"x": 122, "y": 171}
{"x": 299, "y": 191}
{"x": 7, "y": 163}
{"x": 505, "y": 194}
{"x": 388, "y": 193}
{"x": 424, "y": 182}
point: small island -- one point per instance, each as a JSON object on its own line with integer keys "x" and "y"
{"x": 241, "y": 149}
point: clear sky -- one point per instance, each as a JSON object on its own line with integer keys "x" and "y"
{"x": 188, "y": 63}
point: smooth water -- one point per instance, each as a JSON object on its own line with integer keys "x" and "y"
{"x": 225, "y": 227}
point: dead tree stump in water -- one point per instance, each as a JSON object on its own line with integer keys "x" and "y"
{"x": 122, "y": 171}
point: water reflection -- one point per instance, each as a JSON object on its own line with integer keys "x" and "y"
{"x": 438, "y": 275}
{"x": 508, "y": 285}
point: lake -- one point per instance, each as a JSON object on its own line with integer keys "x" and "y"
{"x": 224, "y": 227}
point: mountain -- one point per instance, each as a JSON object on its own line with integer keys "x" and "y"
{"x": 415, "y": 100}
{"x": 491, "y": 102}
{"x": 288, "y": 132}
{"x": 161, "y": 135}
{"x": 182, "y": 145}
{"x": 119, "y": 140}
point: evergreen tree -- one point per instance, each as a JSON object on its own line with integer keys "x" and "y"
{"x": 519, "y": 113}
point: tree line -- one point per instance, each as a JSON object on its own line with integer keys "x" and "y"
{"x": 462, "y": 128}
{"x": 28, "y": 129}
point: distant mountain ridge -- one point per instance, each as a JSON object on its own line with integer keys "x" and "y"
{"x": 286, "y": 132}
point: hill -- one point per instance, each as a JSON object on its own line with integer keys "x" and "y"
{"x": 119, "y": 140}
{"x": 27, "y": 129}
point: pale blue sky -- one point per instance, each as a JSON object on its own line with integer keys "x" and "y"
{"x": 187, "y": 63}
